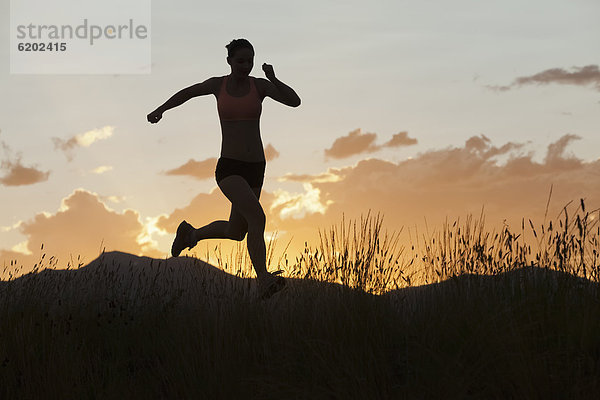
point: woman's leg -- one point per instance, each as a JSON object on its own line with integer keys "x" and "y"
{"x": 235, "y": 228}
{"x": 247, "y": 215}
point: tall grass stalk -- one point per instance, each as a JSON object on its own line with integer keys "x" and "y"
{"x": 471, "y": 249}
{"x": 357, "y": 255}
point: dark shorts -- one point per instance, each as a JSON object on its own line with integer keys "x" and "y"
{"x": 252, "y": 172}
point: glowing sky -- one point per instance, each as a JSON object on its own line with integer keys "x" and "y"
{"x": 412, "y": 108}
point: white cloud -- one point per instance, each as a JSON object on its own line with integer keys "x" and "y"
{"x": 102, "y": 169}
{"x": 86, "y": 139}
{"x": 299, "y": 205}
{"x": 22, "y": 248}
{"x": 114, "y": 199}
{"x": 149, "y": 228}
{"x": 329, "y": 176}
{"x": 10, "y": 228}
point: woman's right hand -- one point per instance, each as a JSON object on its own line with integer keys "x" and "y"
{"x": 154, "y": 116}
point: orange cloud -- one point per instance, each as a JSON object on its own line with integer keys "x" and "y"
{"x": 352, "y": 144}
{"x": 16, "y": 174}
{"x": 270, "y": 152}
{"x": 360, "y": 143}
{"x": 400, "y": 139}
{"x": 590, "y": 74}
{"x": 419, "y": 194}
{"x": 83, "y": 226}
{"x": 455, "y": 181}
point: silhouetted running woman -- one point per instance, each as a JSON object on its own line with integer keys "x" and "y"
{"x": 241, "y": 167}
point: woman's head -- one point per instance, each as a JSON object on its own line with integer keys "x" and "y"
{"x": 240, "y": 56}
{"x": 236, "y": 44}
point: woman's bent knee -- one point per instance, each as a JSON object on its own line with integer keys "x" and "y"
{"x": 237, "y": 235}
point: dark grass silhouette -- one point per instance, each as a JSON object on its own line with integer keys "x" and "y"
{"x": 135, "y": 327}
{"x": 139, "y": 283}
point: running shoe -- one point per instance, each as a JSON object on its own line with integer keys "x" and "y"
{"x": 269, "y": 285}
{"x": 183, "y": 239}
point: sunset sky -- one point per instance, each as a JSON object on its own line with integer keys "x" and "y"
{"x": 419, "y": 110}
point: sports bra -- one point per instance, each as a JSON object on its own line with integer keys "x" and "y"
{"x": 242, "y": 108}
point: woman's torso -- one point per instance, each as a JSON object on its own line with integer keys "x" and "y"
{"x": 239, "y": 113}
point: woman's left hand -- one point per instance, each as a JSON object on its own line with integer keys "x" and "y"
{"x": 268, "y": 69}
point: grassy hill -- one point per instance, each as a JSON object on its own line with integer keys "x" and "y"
{"x": 135, "y": 327}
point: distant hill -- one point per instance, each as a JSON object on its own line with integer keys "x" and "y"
{"x": 136, "y": 327}
{"x": 121, "y": 278}
{"x": 125, "y": 278}
{"x": 517, "y": 283}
